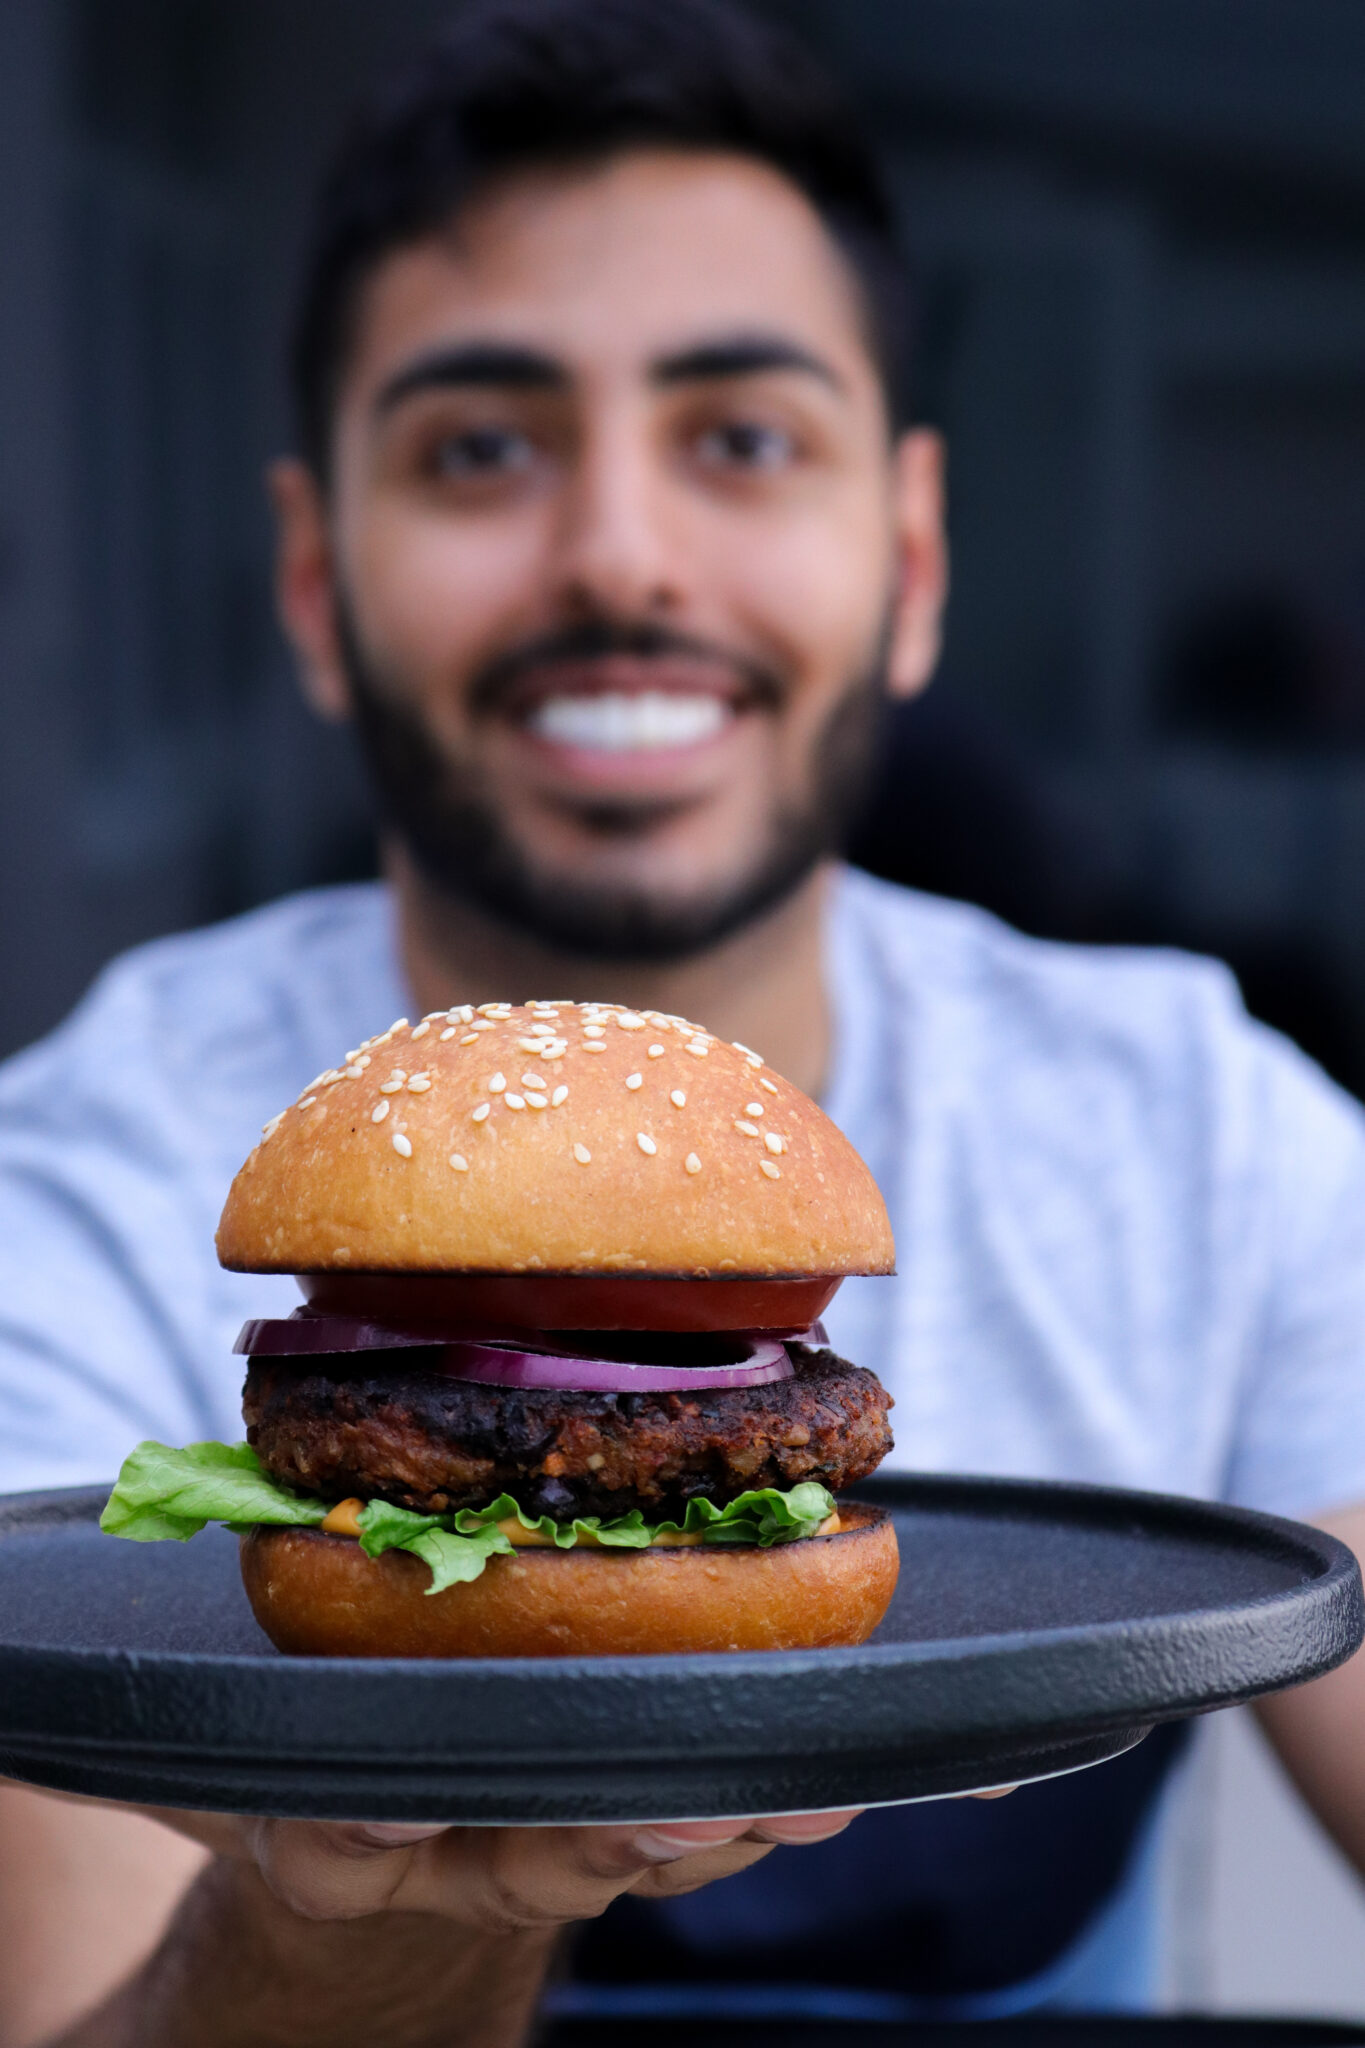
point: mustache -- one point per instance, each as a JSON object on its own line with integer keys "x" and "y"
{"x": 494, "y": 686}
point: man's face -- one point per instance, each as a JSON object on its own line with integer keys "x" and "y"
{"x": 614, "y": 558}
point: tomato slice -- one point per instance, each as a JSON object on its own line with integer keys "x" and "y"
{"x": 571, "y": 1301}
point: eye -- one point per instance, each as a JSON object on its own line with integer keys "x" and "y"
{"x": 486, "y": 451}
{"x": 747, "y": 444}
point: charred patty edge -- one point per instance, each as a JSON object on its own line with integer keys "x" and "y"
{"x": 434, "y": 1444}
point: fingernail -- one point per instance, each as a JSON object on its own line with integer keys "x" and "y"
{"x": 666, "y": 1845}
{"x": 797, "y": 1828}
{"x": 399, "y": 1834}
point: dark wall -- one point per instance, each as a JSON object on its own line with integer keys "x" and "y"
{"x": 1140, "y": 230}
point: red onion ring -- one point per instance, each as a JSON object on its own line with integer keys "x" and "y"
{"x": 492, "y": 1366}
{"x": 504, "y": 1363}
{"x": 306, "y": 1333}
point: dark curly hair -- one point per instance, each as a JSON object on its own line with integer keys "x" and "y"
{"x": 514, "y": 83}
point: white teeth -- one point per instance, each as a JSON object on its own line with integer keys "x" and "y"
{"x": 615, "y": 723}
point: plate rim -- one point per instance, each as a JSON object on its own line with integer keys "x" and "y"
{"x": 1330, "y": 1596}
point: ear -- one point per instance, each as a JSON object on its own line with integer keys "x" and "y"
{"x": 305, "y": 590}
{"x": 921, "y": 561}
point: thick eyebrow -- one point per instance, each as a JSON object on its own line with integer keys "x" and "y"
{"x": 501, "y": 363}
{"x": 742, "y": 355}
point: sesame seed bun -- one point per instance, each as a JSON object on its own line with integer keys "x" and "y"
{"x": 321, "y": 1596}
{"x": 501, "y": 1142}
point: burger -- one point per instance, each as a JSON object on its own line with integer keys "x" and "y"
{"x": 559, "y": 1383}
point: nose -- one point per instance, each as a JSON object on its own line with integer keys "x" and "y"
{"x": 620, "y": 548}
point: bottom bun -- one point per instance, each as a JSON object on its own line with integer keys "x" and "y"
{"x": 321, "y": 1596}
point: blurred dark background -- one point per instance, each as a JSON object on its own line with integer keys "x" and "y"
{"x": 1141, "y": 234}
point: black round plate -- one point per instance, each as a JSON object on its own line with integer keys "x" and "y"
{"x": 1036, "y": 1628}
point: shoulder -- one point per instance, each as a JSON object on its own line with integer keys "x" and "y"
{"x": 206, "y": 1020}
{"x": 1092, "y": 1028}
{"x": 1119, "y": 999}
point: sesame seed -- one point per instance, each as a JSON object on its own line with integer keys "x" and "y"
{"x": 773, "y": 1172}
{"x": 514, "y": 1101}
{"x": 354, "y": 1071}
{"x": 334, "y": 1075}
{"x": 646, "y": 1143}
{"x": 692, "y": 1163}
{"x": 352, "y": 1057}
{"x": 379, "y": 1112}
{"x": 678, "y": 1099}
{"x": 753, "y": 1109}
{"x": 582, "y": 1154}
{"x": 656, "y": 1052}
{"x": 536, "y": 1101}
{"x": 698, "y": 1048}
{"x": 747, "y": 1050}
{"x": 477, "y": 1115}
{"x": 749, "y": 1130}
{"x": 764, "y": 1082}
{"x": 529, "y": 1080}
{"x": 364, "y": 1060}
{"x": 752, "y": 1060}
{"x": 318, "y": 1079}
{"x": 594, "y": 1045}
{"x": 773, "y": 1142}
{"x": 392, "y": 1085}
{"x": 421, "y": 1030}
{"x": 308, "y": 1102}
{"x": 594, "y": 1031}
{"x": 460, "y": 1013}
{"x": 561, "y": 1094}
{"x": 529, "y": 1044}
{"x": 449, "y": 1032}
{"x": 497, "y": 1083}
{"x": 402, "y": 1146}
{"x": 459, "y": 1162}
{"x": 635, "y": 1080}
{"x": 470, "y": 1038}
{"x": 269, "y": 1130}
{"x": 495, "y": 1009}
{"x": 398, "y": 1024}
{"x": 628, "y": 1021}
{"x": 481, "y": 1024}
{"x": 418, "y": 1084}
{"x": 554, "y": 1048}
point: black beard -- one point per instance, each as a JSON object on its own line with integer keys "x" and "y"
{"x": 457, "y": 842}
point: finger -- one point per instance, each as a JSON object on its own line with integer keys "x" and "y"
{"x": 326, "y": 1870}
{"x": 795, "y": 1829}
{"x": 504, "y": 1879}
{"x": 704, "y": 1866}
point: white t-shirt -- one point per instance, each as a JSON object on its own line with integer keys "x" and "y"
{"x": 1130, "y": 1223}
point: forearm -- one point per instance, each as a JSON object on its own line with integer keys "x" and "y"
{"x": 1319, "y": 1729}
{"x": 238, "y": 1969}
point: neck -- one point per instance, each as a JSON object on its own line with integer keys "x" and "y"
{"x": 764, "y": 985}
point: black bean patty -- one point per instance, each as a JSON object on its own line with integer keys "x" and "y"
{"x": 432, "y": 1443}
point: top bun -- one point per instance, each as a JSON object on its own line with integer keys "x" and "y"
{"x": 554, "y": 1138}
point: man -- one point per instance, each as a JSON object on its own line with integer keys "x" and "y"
{"x": 604, "y": 532}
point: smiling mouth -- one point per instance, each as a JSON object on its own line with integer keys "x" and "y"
{"x": 630, "y": 722}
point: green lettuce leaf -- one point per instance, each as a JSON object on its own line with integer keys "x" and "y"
{"x": 163, "y": 1493}
{"x": 454, "y": 1558}
{"x": 166, "y": 1494}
